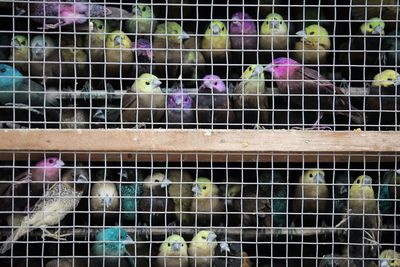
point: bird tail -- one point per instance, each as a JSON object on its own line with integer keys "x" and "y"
{"x": 15, "y": 235}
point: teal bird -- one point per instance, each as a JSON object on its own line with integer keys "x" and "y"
{"x": 388, "y": 191}
{"x": 110, "y": 248}
{"x": 129, "y": 190}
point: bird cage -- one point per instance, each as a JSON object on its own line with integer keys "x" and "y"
{"x": 199, "y": 133}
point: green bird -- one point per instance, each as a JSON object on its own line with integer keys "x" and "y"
{"x": 216, "y": 43}
{"x": 173, "y": 252}
{"x": 19, "y": 53}
{"x": 202, "y": 248}
{"x": 142, "y": 20}
{"x": 274, "y": 34}
{"x": 119, "y": 55}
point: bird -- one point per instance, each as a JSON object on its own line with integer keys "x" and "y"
{"x": 65, "y": 262}
{"x": 230, "y": 253}
{"x": 173, "y": 252}
{"x": 364, "y": 221}
{"x": 274, "y": 35}
{"x": 193, "y": 66}
{"x": 249, "y": 99}
{"x": 335, "y": 260}
{"x": 43, "y": 174}
{"x": 142, "y": 20}
{"x": 104, "y": 200}
{"x": 243, "y": 31}
{"x": 130, "y": 190}
{"x": 155, "y": 206}
{"x": 180, "y": 190}
{"x": 202, "y": 248}
{"x": 206, "y": 203}
{"x": 362, "y": 10}
{"x": 119, "y": 55}
{"x": 382, "y": 102}
{"x": 389, "y": 257}
{"x": 110, "y": 248}
{"x": 214, "y": 108}
{"x": 74, "y": 118}
{"x": 143, "y": 54}
{"x": 58, "y": 201}
{"x": 19, "y": 53}
{"x": 106, "y": 117}
{"x": 341, "y": 186}
{"x": 310, "y": 197}
{"x": 180, "y": 112}
{"x": 314, "y": 45}
{"x": 216, "y": 43}
{"x": 143, "y": 101}
{"x": 45, "y": 60}
{"x": 296, "y": 80}
{"x": 388, "y": 194}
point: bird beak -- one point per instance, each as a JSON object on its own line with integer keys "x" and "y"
{"x": 269, "y": 68}
{"x": 208, "y": 84}
{"x": 196, "y": 190}
{"x": 384, "y": 263}
{"x": 211, "y": 237}
{"x": 118, "y": 41}
{"x": 82, "y": 179}
{"x": 176, "y": 246}
{"x": 165, "y": 183}
{"x": 302, "y": 33}
{"x": 38, "y": 50}
{"x": 60, "y": 163}
{"x": 99, "y": 115}
{"x": 224, "y": 247}
{"x": 107, "y": 200}
{"x": 319, "y": 178}
{"x": 343, "y": 190}
{"x": 156, "y": 83}
{"x": 183, "y": 36}
{"x": 15, "y": 43}
{"x": 257, "y": 71}
{"x": 378, "y": 30}
{"x": 215, "y": 29}
{"x": 236, "y": 21}
{"x": 397, "y": 81}
{"x": 367, "y": 180}
{"x": 129, "y": 241}
{"x": 274, "y": 24}
{"x": 136, "y": 11}
{"x": 398, "y": 171}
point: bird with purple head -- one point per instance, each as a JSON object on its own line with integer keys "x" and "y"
{"x": 243, "y": 31}
{"x": 180, "y": 110}
{"x": 310, "y": 90}
{"x": 143, "y": 56}
{"x": 213, "y": 104}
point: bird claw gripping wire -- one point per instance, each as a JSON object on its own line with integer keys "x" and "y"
{"x": 56, "y": 235}
{"x": 259, "y": 127}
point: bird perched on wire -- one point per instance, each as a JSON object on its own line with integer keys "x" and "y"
{"x": 202, "y": 248}
{"x": 214, "y": 108}
{"x": 58, "y": 201}
{"x": 364, "y": 221}
{"x": 143, "y": 101}
{"x": 173, "y": 252}
{"x": 382, "y": 102}
{"x": 216, "y": 43}
{"x": 314, "y": 45}
{"x": 19, "y": 53}
{"x": 104, "y": 200}
{"x": 110, "y": 248}
{"x": 43, "y": 174}
{"x": 180, "y": 112}
{"x": 142, "y": 20}
{"x": 249, "y": 99}
{"x": 155, "y": 205}
{"x": 318, "y": 92}
{"x": 206, "y": 203}
{"x": 311, "y": 194}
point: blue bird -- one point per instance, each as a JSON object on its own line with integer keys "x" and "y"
{"x": 110, "y": 248}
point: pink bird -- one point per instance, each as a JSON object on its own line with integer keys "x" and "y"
{"x": 243, "y": 31}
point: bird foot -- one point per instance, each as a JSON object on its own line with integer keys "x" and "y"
{"x": 86, "y": 88}
{"x": 343, "y": 221}
{"x": 56, "y": 235}
{"x": 140, "y": 126}
{"x": 50, "y": 26}
{"x": 259, "y": 127}
{"x": 110, "y": 90}
{"x": 24, "y": 107}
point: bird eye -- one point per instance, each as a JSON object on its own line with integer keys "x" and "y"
{"x": 156, "y": 180}
{"x": 3, "y": 70}
{"x": 223, "y": 29}
{"x": 203, "y": 237}
{"x": 23, "y": 42}
{"x": 51, "y": 161}
{"x": 147, "y": 83}
{"x": 390, "y": 79}
{"x": 100, "y": 27}
{"x": 215, "y": 83}
{"x": 209, "y": 27}
{"x": 45, "y": 43}
{"x": 312, "y": 33}
{"x": 169, "y": 244}
{"x": 280, "y": 22}
{"x": 204, "y": 187}
{"x": 310, "y": 175}
{"x": 358, "y": 181}
{"x": 370, "y": 26}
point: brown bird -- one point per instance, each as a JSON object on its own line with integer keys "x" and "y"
{"x": 67, "y": 263}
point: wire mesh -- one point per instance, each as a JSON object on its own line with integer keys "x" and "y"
{"x": 85, "y": 62}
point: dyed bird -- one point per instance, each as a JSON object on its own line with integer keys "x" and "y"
{"x": 274, "y": 35}
{"x": 110, "y": 248}
{"x": 59, "y": 200}
{"x": 173, "y": 252}
{"x": 296, "y": 80}
{"x": 249, "y": 99}
{"x": 389, "y": 258}
{"x": 311, "y": 193}
{"x": 19, "y": 53}
{"x": 314, "y": 45}
{"x": 216, "y": 44}
{"x": 142, "y": 20}
{"x": 202, "y": 248}
{"x": 206, "y": 202}
{"x": 144, "y": 101}
{"x": 119, "y": 55}
{"x": 243, "y": 31}
{"x": 130, "y": 190}
{"x": 213, "y": 103}
{"x": 180, "y": 112}
{"x": 382, "y": 101}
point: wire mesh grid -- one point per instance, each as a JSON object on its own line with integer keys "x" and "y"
{"x": 66, "y": 209}
{"x": 82, "y": 64}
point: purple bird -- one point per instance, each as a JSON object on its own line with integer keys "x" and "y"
{"x": 55, "y": 13}
{"x": 243, "y": 30}
{"x": 180, "y": 112}
{"x": 213, "y": 105}
{"x": 306, "y": 87}
{"x": 144, "y": 55}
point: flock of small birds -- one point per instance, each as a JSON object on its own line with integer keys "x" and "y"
{"x": 80, "y": 65}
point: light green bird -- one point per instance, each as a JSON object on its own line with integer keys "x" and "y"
{"x": 202, "y": 248}
{"x": 173, "y": 252}
{"x": 119, "y": 55}
{"x": 216, "y": 43}
{"x": 274, "y": 33}
{"x": 144, "y": 101}
{"x": 142, "y": 21}
{"x": 19, "y": 53}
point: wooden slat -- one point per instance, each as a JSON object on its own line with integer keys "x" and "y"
{"x": 200, "y": 141}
